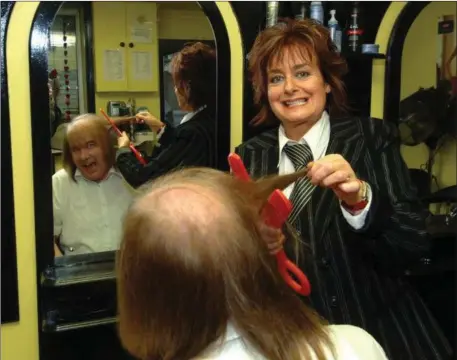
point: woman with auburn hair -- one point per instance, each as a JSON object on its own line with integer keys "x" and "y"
{"x": 356, "y": 212}
{"x": 192, "y": 142}
{"x": 195, "y": 280}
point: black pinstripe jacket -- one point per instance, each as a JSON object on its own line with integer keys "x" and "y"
{"x": 189, "y": 144}
{"x": 356, "y": 275}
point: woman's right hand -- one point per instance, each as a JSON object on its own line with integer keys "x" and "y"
{"x": 150, "y": 120}
{"x": 273, "y": 237}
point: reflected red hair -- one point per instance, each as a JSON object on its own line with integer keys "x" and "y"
{"x": 194, "y": 70}
{"x": 312, "y": 42}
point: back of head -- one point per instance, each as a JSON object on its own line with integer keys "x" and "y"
{"x": 194, "y": 67}
{"x": 191, "y": 260}
{"x": 309, "y": 40}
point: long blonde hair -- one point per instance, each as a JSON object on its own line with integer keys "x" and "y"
{"x": 190, "y": 263}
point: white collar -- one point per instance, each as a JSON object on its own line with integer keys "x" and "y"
{"x": 213, "y": 350}
{"x": 190, "y": 115}
{"x": 317, "y": 137}
{"x": 111, "y": 171}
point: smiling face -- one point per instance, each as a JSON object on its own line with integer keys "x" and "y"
{"x": 88, "y": 150}
{"x": 297, "y": 91}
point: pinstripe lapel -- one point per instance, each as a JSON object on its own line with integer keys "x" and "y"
{"x": 345, "y": 139}
{"x": 264, "y": 152}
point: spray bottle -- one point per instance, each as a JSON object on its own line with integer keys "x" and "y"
{"x": 335, "y": 30}
{"x": 317, "y": 11}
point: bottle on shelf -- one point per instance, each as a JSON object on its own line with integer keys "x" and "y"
{"x": 301, "y": 14}
{"x": 272, "y": 13}
{"x": 317, "y": 11}
{"x": 354, "y": 31}
{"x": 335, "y": 30}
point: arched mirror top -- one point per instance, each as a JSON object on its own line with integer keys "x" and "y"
{"x": 76, "y": 68}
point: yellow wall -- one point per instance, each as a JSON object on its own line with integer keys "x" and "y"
{"x": 175, "y": 21}
{"x": 421, "y": 43}
{"x": 19, "y": 341}
{"x": 236, "y": 73}
{"x": 183, "y": 23}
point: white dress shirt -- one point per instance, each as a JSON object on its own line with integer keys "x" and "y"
{"x": 317, "y": 138}
{"x": 88, "y": 215}
{"x": 190, "y": 115}
{"x": 350, "y": 342}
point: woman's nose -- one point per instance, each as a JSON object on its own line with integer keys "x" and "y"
{"x": 84, "y": 154}
{"x": 289, "y": 85}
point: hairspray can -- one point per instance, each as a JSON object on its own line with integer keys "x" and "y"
{"x": 272, "y": 13}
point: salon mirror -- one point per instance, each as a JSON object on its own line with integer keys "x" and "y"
{"x": 115, "y": 56}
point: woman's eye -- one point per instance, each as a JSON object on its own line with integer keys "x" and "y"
{"x": 90, "y": 145}
{"x": 275, "y": 79}
{"x": 302, "y": 74}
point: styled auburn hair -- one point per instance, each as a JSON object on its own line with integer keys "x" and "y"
{"x": 311, "y": 41}
{"x": 191, "y": 260}
{"x": 100, "y": 133}
{"x": 193, "y": 71}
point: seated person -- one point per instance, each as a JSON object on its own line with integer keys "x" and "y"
{"x": 196, "y": 281}
{"x": 192, "y": 142}
{"x": 90, "y": 196}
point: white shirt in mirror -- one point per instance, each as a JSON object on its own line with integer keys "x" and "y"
{"x": 88, "y": 215}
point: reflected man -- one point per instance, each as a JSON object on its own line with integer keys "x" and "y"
{"x": 90, "y": 196}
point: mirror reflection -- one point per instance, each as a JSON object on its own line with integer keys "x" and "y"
{"x": 154, "y": 110}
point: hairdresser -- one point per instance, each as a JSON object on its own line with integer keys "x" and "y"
{"x": 191, "y": 143}
{"x": 357, "y": 213}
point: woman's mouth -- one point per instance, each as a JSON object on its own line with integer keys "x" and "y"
{"x": 90, "y": 166}
{"x": 296, "y": 102}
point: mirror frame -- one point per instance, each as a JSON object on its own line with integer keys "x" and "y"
{"x": 10, "y": 294}
{"x": 41, "y": 138}
{"x": 392, "y": 86}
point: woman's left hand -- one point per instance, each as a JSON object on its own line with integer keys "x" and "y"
{"x": 123, "y": 141}
{"x": 334, "y": 172}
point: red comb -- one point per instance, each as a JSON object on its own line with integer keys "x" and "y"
{"x": 275, "y": 213}
{"x": 119, "y": 133}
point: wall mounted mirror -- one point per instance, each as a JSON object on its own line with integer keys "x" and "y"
{"x": 114, "y": 56}
{"x": 118, "y": 57}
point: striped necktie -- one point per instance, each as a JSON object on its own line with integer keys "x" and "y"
{"x": 300, "y": 155}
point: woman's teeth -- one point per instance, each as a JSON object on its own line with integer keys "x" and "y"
{"x": 296, "y": 102}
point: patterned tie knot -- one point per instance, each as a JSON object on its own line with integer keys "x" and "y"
{"x": 299, "y": 154}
